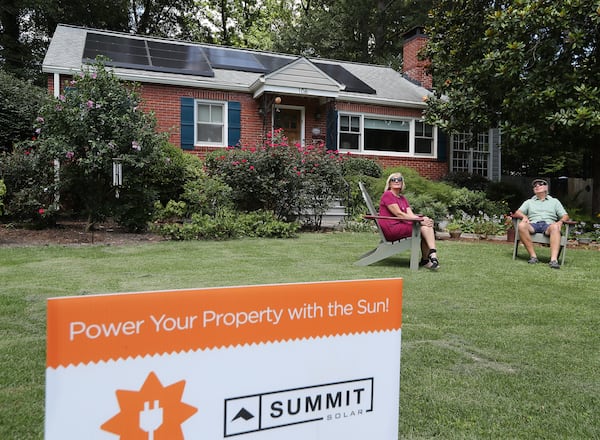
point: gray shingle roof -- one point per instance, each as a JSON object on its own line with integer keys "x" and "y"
{"x": 66, "y": 51}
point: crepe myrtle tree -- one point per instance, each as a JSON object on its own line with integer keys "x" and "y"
{"x": 95, "y": 120}
{"x": 530, "y": 67}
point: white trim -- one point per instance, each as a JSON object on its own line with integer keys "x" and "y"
{"x": 225, "y": 128}
{"x": 56, "y": 84}
{"x": 411, "y": 136}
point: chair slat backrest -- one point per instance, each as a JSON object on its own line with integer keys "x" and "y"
{"x": 371, "y": 207}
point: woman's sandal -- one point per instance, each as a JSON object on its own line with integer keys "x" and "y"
{"x": 435, "y": 263}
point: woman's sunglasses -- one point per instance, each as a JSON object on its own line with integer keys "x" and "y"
{"x": 396, "y": 179}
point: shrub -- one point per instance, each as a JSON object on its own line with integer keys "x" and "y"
{"x": 96, "y": 120}
{"x": 462, "y": 179}
{"x": 30, "y": 185}
{"x": 287, "y": 180}
{"x": 20, "y": 102}
{"x": 360, "y": 166}
{"x": 228, "y": 224}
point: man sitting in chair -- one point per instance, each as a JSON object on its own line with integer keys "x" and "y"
{"x": 541, "y": 214}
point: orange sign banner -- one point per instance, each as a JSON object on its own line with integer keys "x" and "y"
{"x": 117, "y": 326}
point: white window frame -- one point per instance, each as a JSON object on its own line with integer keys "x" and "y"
{"x": 411, "y": 136}
{"x": 465, "y": 158}
{"x": 224, "y": 128}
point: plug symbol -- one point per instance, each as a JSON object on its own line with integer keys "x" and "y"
{"x": 151, "y": 418}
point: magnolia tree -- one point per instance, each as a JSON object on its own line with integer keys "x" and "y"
{"x": 531, "y": 67}
{"x": 97, "y": 122}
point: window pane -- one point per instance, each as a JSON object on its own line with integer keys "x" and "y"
{"x": 216, "y": 114}
{"x": 210, "y": 133}
{"x": 348, "y": 141}
{"x": 423, "y": 146}
{"x": 382, "y": 124}
{"x": 203, "y": 113}
{"x": 387, "y": 140}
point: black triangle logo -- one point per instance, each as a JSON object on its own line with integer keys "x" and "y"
{"x": 243, "y": 414}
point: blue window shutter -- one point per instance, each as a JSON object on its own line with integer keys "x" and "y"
{"x": 234, "y": 123}
{"x": 187, "y": 123}
{"x": 442, "y": 148}
{"x": 331, "y": 135}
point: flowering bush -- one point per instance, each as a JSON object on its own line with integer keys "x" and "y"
{"x": 287, "y": 180}
{"x": 96, "y": 120}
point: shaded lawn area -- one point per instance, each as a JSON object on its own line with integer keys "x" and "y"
{"x": 491, "y": 347}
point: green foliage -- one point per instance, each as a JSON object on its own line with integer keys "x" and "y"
{"x": 96, "y": 121}
{"x": 226, "y": 224}
{"x": 463, "y": 179}
{"x": 354, "y": 165}
{"x": 508, "y": 193}
{"x": 20, "y": 102}
{"x": 287, "y": 180}
{"x": 30, "y": 184}
{"x": 528, "y": 67}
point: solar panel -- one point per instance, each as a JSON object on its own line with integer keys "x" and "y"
{"x": 125, "y": 52}
{"x": 222, "y": 58}
{"x": 272, "y": 62}
{"x": 341, "y": 75}
{"x": 178, "y": 58}
{"x": 133, "y": 53}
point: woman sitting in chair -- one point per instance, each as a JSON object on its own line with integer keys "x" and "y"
{"x": 394, "y": 204}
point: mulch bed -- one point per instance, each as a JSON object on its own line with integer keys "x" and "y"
{"x": 71, "y": 234}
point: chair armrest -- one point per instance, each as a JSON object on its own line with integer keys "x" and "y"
{"x": 383, "y": 217}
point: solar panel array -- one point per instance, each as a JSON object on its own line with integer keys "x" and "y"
{"x": 187, "y": 59}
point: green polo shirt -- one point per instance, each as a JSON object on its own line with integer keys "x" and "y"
{"x": 548, "y": 210}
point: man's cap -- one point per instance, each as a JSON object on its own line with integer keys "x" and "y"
{"x": 542, "y": 181}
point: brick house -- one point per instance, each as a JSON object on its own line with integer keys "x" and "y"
{"x": 209, "y": 97}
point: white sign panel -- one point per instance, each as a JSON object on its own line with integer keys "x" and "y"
{"x": 294, "y": 361}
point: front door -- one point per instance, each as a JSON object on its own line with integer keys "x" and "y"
{"x": 290, "y": 121}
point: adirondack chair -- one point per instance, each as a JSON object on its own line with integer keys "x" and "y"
{"x": 387, "y": 248}
{"x": 544, "y": 239}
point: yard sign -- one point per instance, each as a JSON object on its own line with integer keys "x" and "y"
{"x": 295, "y": 361}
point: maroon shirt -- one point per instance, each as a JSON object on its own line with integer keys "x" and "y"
{"x": 394, "y": 229}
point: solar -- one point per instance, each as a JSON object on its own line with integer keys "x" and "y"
{"x": 179, "y": 58}
{"x": 228, "y": 59}
{"x": 341, "y": 75}
{"x": 121, "y": 51}
{"x": 133, "y": 53}
{"x": 187, "y": 59}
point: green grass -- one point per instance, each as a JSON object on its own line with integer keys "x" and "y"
{"x": 491, "y": 348}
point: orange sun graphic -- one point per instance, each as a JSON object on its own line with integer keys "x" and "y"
{"x": 152, "y": 413}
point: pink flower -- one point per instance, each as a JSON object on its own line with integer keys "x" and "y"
{"x": 251, "y": 168}
{"x": 41, "y": 211}
{"x": 69, "y": 155}
{"x": 90, "y": 104}
{"x": 136, "y": 146}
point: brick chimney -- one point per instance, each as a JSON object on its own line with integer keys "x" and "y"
{"x": 413, "y": 68}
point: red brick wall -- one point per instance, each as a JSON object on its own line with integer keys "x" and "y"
{"x": 164, "y": 100}
{"x": 412, "y": 66}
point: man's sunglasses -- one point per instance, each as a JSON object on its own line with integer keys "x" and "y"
{"x": 396, "y": 179}
{"x": 536, "y": 184}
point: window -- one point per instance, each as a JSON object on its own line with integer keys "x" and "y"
{"x": 369, "y": 133}
{"x": 470, "y": 153}
{"x": 387, "y": 135}
{"x": 349, "y": 132}
{"x": 423, "y": 138}
{"x": 210, "y": 123}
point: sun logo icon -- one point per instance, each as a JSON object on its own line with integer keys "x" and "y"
{"x": 152, "y": 413}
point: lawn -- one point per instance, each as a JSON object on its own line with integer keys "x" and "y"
{"x": 491, "y": 348}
